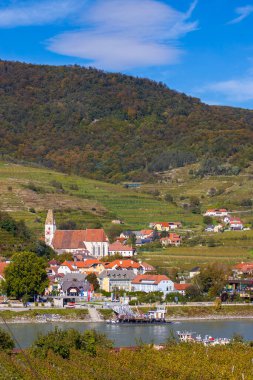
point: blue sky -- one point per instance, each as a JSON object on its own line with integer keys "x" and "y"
{"x": 203, "y": 48}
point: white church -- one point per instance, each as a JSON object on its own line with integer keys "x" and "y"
{"x": 90, "y": 241}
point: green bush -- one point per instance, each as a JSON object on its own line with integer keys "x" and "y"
{"x": 6, "y": 341}
{"x": 61, "y": 342}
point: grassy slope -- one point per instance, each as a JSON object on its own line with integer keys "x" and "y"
{"x": 99, "y": 202}
{"x": 94, "y": 201}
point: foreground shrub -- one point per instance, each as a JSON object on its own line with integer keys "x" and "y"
{"x": 61, "y": 342}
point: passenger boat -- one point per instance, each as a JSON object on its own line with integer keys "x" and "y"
{"x": 191, "y": 337}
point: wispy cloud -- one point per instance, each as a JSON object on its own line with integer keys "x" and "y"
{"x": 243, "y": 12}
{"x": 234, "y": 90}
{"x": 123, "y": 34}
{"x": 25, "y": 13}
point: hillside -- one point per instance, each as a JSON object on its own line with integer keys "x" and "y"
{"x": 28, "y": 192}
{"x": 113, "y": 126}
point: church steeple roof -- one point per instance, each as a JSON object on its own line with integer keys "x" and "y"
{"x": 50, "y": 217}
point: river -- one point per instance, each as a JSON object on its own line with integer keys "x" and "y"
{"x": 131, "y": 335}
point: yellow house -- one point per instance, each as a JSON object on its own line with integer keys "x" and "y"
{"x": 162, "y": 226}
{"x": 89, "y": 266}
{"x": 116, "y": 279}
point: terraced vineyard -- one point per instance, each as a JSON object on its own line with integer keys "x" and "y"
{"x": 27, "y": 193}
{"x": 185, "y": 258}
{"x": 87, "y": 202}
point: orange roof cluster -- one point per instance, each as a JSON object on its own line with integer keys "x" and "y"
{"x": 87, "y": 263}
{"x": 155, "y": 278}
{"x": 124, "y": 264}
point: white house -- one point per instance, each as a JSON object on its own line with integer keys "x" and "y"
{"x": 66, "y": 267}
{"x": 236, "y": 224}
{"x": 119, "y": 248}
{"x": 217, "y": 212}
{"x": 152, "y": 283}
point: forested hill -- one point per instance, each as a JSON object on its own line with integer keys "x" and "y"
{"x": 113, "y": 126}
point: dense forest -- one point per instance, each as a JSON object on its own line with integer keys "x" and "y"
{"x": 112, "y": 126}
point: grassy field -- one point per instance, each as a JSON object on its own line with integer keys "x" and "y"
{"x": 185, "y": 258}
{"x": 70, "y": 314}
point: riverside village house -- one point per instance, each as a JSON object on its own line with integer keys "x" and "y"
{"x": 90, "y": 241}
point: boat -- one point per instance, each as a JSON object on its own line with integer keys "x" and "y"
{"x": 124, "y": 314}
{"x": 208, "y": 340}
{"x": 112, "y": 321}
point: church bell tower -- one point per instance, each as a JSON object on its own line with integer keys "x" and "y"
{"x": 50, "y": 228}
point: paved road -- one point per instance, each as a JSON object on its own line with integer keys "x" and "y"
{"x": 94, "y": 315}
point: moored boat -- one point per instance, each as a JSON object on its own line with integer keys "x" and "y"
{"x": 191, "y": 337}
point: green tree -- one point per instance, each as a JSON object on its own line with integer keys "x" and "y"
{"x": 43, "y": 250}
{"x": 66, "y": 256}
{"x": 6, "y": 341}
{"x": 131, "y": 240}
{"x": 26, "y": 274}
{"x": 193, "y": 293}
{"x": 207, "y": 219}
{"x": 92, "y": 279}
{"x": 61, "y": 342}
{"x": 212, "y": 278}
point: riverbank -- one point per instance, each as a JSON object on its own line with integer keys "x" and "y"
{"x": 174, "y": 314}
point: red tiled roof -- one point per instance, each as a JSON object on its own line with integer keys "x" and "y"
{"x": 163, "y": 224}
{"x": 74, "y": 239}
{"x": 68, "y": 264}
{"x": 69, "y": 239}
{"x": 156, "y": 278}
{"x": 117, "y": 246}
{"x": 3, "y": 265}
{"x": 244, "y": 266}
{"x": 235, "y": 220}
{"x": 123, "y": 264}
{"x": 147, "y": 232}
{"x": 181, "y": 286}
{"x": 147, "y": 266}
{"x": 87, "y": 263}
{"x": 174, "y": 236}
{"x": 96, "y": 235}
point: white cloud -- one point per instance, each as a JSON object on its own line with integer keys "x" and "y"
{"x": 236, "y": 90}
{"x": 243, "y": 12}
{"x": 123, "y": 34}
{"x": 36, "y": 13}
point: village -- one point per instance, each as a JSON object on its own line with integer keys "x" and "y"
{"x": 95, "y": 268}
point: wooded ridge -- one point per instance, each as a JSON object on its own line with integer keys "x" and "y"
{"x": 112, "y": 126}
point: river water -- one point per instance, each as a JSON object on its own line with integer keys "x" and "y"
{"x": 131, "y": 335}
